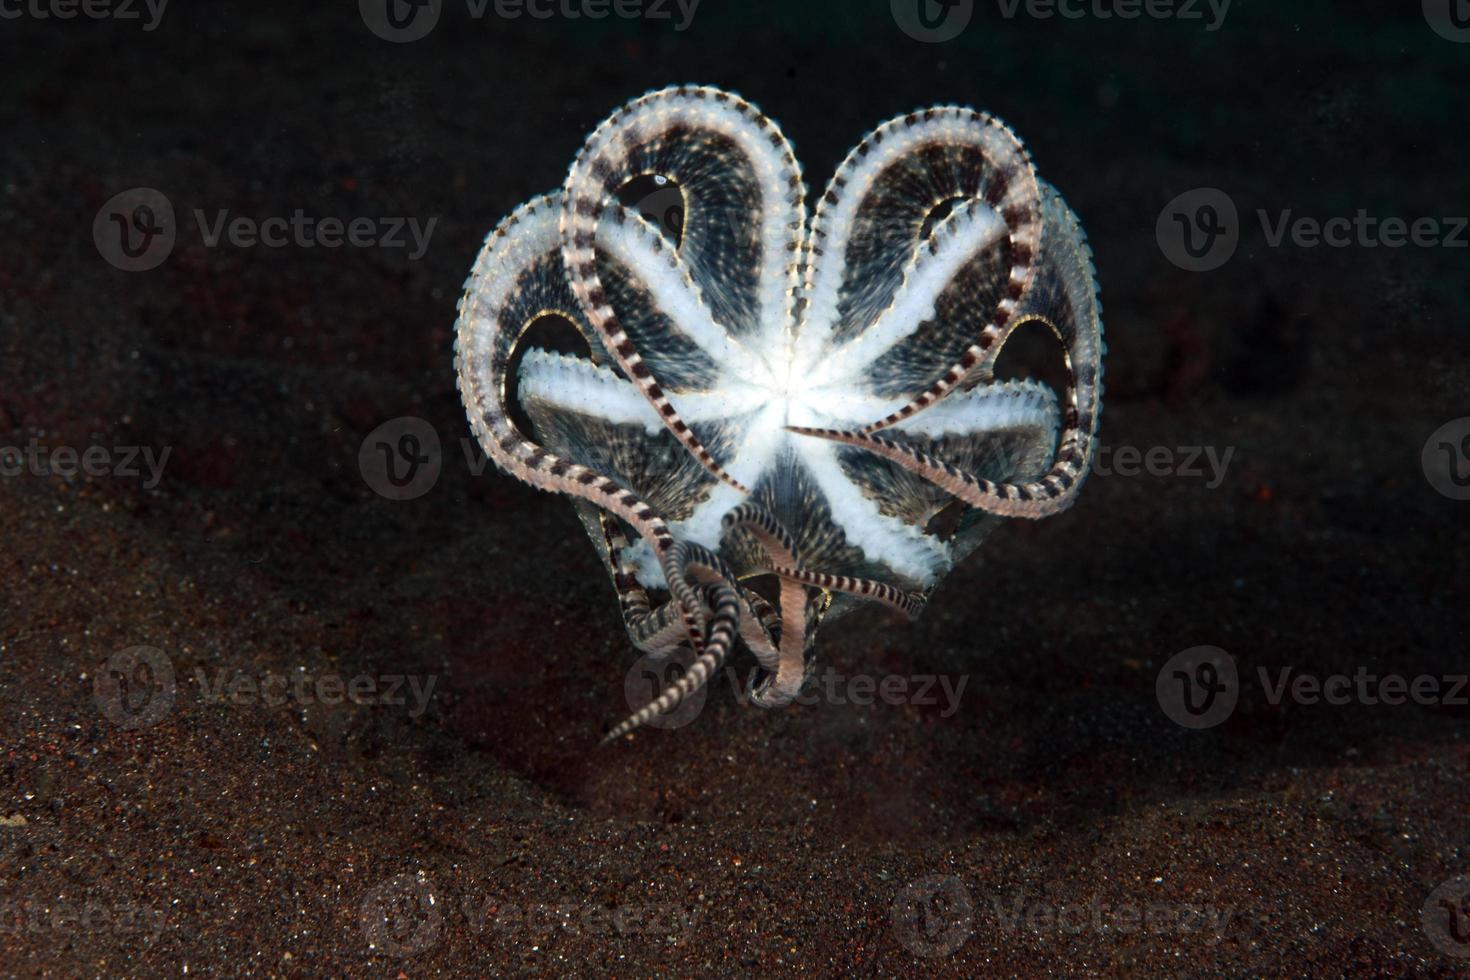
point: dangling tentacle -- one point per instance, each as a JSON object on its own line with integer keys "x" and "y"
{"x": 784, "y": 684}
{"x": 756, "y": 615}
{"x": 517, "y": 278}
{"x": 693, "y": 562}
{"x": 742, "y": 227}
{"x": 658, "y": 631}
{"x": 759, "y": 623}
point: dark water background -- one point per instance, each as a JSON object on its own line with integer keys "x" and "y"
{"x": 148, "y": 821}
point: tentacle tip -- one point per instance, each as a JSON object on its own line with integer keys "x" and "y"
{"x": 614, "y": 734}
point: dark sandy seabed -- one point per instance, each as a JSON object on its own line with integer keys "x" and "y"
{"x": 486, "y": 834}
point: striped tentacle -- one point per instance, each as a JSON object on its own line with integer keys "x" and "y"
{"x": 698, "y": 137}
{"x": 880, "y": 592}
{"x": 857, "y": 213}
{"x": 659, "y": 630}
{"x": 783, "y": 685}
{"x": 960, "y": 238}
{"x": 1066, "y": 301}
{"x": 1037, "y": 499}
{"x": 756, "y": 614}
{"x": 515, "y": 280}
{"x": 723, "y": 598}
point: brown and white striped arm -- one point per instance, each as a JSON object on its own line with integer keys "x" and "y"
{"x": 723, "y": 599}
{"x": 784, "y": 683}
{"x": 517, "y": 274}
{"x": 955, "y": 152}
{"x": 698, "y": 137}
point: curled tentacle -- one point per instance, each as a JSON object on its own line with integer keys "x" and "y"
{"x": 518, "y": 278}
{"x": 697, "y": 563}
{"x": 782, "y": 685}
{"x": 653, "y": 630}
